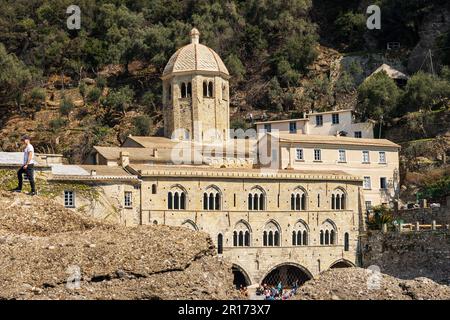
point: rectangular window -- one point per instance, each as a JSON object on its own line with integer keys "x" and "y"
{"x": 382, "y": 158}
{"x": 128, "y": 199}
{"x": 69, "y": 199}
{"x": 293, "y": 127}
{"x": 268, "y": 127}
{"x": 383, "y": 183}
{"x": 317, "y": 155}
{"x": 367, "y": 184}
{"x": 342, "y": 157}
{"x": 358, "y": 134}
{"x": 368, "y": 205}
{"x": 365, "y": 157}
{"x": 299, "y": 154}
{"x": 319, "y": 120}
{"x": 335, "y": 118}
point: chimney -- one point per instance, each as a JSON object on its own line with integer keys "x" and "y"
{"x": 93, "y": 173}
{"x": 124, "y": 159}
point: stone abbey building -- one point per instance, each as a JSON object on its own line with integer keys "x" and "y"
{"x": 285, "y": 202}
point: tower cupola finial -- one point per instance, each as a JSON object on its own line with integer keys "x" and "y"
{"x": 195, "y": 36}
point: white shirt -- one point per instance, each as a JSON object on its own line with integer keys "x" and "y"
{"x": 28, "y": 149}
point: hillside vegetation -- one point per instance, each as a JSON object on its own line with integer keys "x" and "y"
{"x": 72, "y": 89}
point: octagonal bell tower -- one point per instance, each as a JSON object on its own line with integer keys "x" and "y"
{"x": 196, "y": 99}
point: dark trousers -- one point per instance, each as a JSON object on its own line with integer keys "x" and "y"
{"x": 29, "y": 171}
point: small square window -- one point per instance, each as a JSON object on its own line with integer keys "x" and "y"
{"x": 69, "y": 199}
{"x": 335, "y": 118}
{"x": 319, "y": 120}
{"x": 358, "y": 134}
{"x": 268, "y": 127}
{"x": 299, "y": 154}
{"x": 317, "y": 155}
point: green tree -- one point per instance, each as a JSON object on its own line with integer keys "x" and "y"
{"x": 424, "y": 91}
{"x": 235, "y": 67}
{"x": 14, "y": 78}
{"x": 142, "y": 125}
{"x": 350, "y": 28}
{"x": 377, "y": 96}
{"x": 119, "y": 100}
{"x": 275, "y": 95}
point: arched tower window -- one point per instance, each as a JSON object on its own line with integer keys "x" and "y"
{"x": 210, "y": 89}
{"x": 189, "y": 90}
{"x": 205, "y": 89}
{"x": 271, "y": 235}
{"x": 183, "y": 90}
{"x": 224, "y": 91}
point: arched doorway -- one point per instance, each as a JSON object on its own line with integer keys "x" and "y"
{"x": 240, "y": 277}
{"x": 287, "y": 274}
{"x": 342, "y": 264}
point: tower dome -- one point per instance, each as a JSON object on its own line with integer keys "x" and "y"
{"x": 195, "y": 57}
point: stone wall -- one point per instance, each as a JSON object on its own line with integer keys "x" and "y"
{"x": 425, "y": 215}
{"x": 409, "y": 255}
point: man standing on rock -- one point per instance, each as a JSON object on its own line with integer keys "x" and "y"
{"x": 28, "y": 166}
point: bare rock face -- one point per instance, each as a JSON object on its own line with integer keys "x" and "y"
{"x": 363, "y": 284}
{"x": 435, "y": 24}
{"x": 52, "y": 253}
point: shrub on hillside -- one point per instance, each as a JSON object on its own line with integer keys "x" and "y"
{"x": 66, "y": 106}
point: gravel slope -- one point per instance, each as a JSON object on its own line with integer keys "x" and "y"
{"x": 42, "y": 244}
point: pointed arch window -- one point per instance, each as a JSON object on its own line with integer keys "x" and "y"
{"x": 271, "y": 235}
{"x": 256, "y": 199}
{"x": 176, "y": 199}
{"x": 300, "y": 234}
{"x": 328, "y": 233}
{"x": 241, "y": 234}
{"x": 338, "y": 200}
{"x": 211, "y": 199}
{"x": 298, "y": 200}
